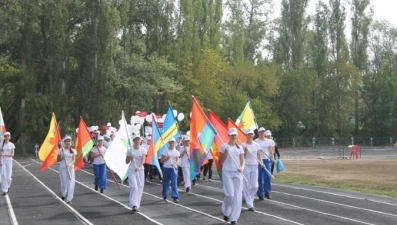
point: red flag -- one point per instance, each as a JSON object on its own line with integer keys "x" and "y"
{"x": 220, "y": 139}
{"x": 241, "y": 137}
{"x": 202, "y": 135}
{"x": 84, "y": 144}
{"x": 49, "y": 149}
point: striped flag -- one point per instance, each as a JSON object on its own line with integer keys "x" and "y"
{"x": 155, "y": 144}
{"x": 2, "y": 126}
{"x": 84, "y": 144}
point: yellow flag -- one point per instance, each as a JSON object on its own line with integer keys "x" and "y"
{"x": 51, "y": 141}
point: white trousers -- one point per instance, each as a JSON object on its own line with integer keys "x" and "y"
{"x": 186, "y": 177}
{"x": 6, "y": 173}
{"x": 250, "y": 186}
{"x": 136, "y": 181}
{"x": 232, "y": 188}
{"x": 67, "y": 185}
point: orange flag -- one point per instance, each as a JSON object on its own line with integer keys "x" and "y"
{"x": 241, "y": 137}
{"x": 49, "y": 149}
{"x": 84, "y": 144}
{"x": 222, "y": 136}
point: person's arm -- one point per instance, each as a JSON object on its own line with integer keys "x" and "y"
{"x": 276, "y": 151}
{"x": 164, "y": 158}
{"x": 73, "y": 159}
{"x": 242, "y": 162}
{"x": 143, "y": 160}
{"x": 223, "y": 154}
{"x": 60, "y": 157}
{"x": 128, "y": 158}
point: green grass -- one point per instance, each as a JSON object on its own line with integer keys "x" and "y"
{"x": 386, "y": 189}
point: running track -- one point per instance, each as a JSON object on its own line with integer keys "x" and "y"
{"x": 34, "y": 199}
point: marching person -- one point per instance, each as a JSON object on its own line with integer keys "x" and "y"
{"x": 232, "y": 160}
{"x": 208, "y": 167}
{"x": 252, "y": 155}
{"x": 267, "y": 153}
{"x": 97, "y": 154}
{"x": 170, "y": 158}
{"x": 66, "y": 158}
{"x": 276, "y": 154}
{"x": 136, "y": 178}
{"x": 6, "y": 154}
{"x": 185, "y": 164}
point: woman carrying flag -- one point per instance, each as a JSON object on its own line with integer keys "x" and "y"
{"x": 136, "y": 156}
{"x": 252, "y": 155}
{"x": 97, "y": 154}
{"x": 6, "y": 153}
{"x": 185, "y": 164}
{"x": 66, "y": 158}
{"x": 231, "y": 158}
{"x": 267, "y": 153}
{"x": 170, "y": 158}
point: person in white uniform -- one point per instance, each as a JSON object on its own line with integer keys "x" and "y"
{"x": 6, "y": 153}
{"x": 267, "y": 153}
{"x": 66, "y": 158}
{"x": 231, "y": 158}
{"x": 185, "y": 162}
{"x": 170, "y": 158}
{"x": 136, "y": 156}
{"x": 252, "y": 155}
{"x": 97, "y": 154}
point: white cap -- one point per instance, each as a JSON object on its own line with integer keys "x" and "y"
{"x": 7, "y": 133}
{"x": 268, "y": 133}
{"x": 100, "y": 138}
{"x": 67, "y": 138}
{"x": 186, "y": 138}
{"x": 149, "y": 137}
{"x": 171, "y": 139}
{"x": 261, "y": 129}
{"x": 136, "y": 136}
{"x": 249, "y": 131}
{"x": 232, "y": 131}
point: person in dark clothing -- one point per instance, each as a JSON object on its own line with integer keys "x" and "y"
{"x": 276, "y": 153}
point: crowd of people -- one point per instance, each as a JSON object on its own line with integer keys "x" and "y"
{"x": 246, "y": 169}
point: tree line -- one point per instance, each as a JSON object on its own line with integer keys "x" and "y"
{"x": 305, "y": 74}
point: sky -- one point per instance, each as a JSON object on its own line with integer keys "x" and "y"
{"x": 383, "y": 9}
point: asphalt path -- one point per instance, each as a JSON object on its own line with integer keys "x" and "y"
{"x": 34, "y": 199}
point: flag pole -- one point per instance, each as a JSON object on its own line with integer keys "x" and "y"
{"x": 179, "y": 129}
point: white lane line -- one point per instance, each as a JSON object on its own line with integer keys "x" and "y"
{"x": 334, "y": 194}
{"x": 13, "y": 218}
{"x": 217, "y": 200}
{"x": 114, "y": 200}
{"x": 80, "y": 217}
{"x": 339, "y": 204}
{"x": 203, "y": 213}
{"x": 315, "y": 211}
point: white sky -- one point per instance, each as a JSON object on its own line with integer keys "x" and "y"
{"x": 383, "y": 9}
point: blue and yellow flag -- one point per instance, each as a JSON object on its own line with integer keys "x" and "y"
{"x": 155, "y": 144}
{"x": 170, "y": 130}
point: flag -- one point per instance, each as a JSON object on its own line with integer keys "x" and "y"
{"x": 241, "y": 137}
{"x": 49, "y": 149}
{"x": 202, "y": 136}
{"x": 246, "y": 120}
{"x": 117, "y": 151}
{"x": 221, "y": 137}
{"x": 170, "y": 129}
{"x": 155, "y": 143}
{"x": 84, "y": 144}
{"x": 2, "y": 126}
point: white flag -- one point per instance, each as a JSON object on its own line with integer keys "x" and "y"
{"x": 117, "y": 151}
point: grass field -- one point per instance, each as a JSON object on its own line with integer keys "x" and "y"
{"x": 373, "y": 175}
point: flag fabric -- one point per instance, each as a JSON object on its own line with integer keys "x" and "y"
{"x": 2, "y": 126}
{"x": 202, "y": 135}
{"x": 241, "y": 137}
{"x": 48, "y": 152}
{"x": 155, "y": 144}
{"x": 220, "y": 138}
{"x": 246, "y": 120}
{"x": 170, "y": 129}
{"x": 84, "y": 144}
{"x": 117, "y": 151}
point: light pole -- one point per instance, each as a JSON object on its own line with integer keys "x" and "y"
{"x": 36, "y": 151}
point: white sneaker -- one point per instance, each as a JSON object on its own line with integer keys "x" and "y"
{"x": 209, "y": 180}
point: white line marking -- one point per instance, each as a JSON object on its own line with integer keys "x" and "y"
{"x": 114, "y": 200}
{"x": 340, "y": 204}
{"x": 74, "y": 212}
{"x": 13, "y": 218}
{"x": 311, "y": 210}
{"x": 334, "y": 194}
{"x": 217, "y": 200}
